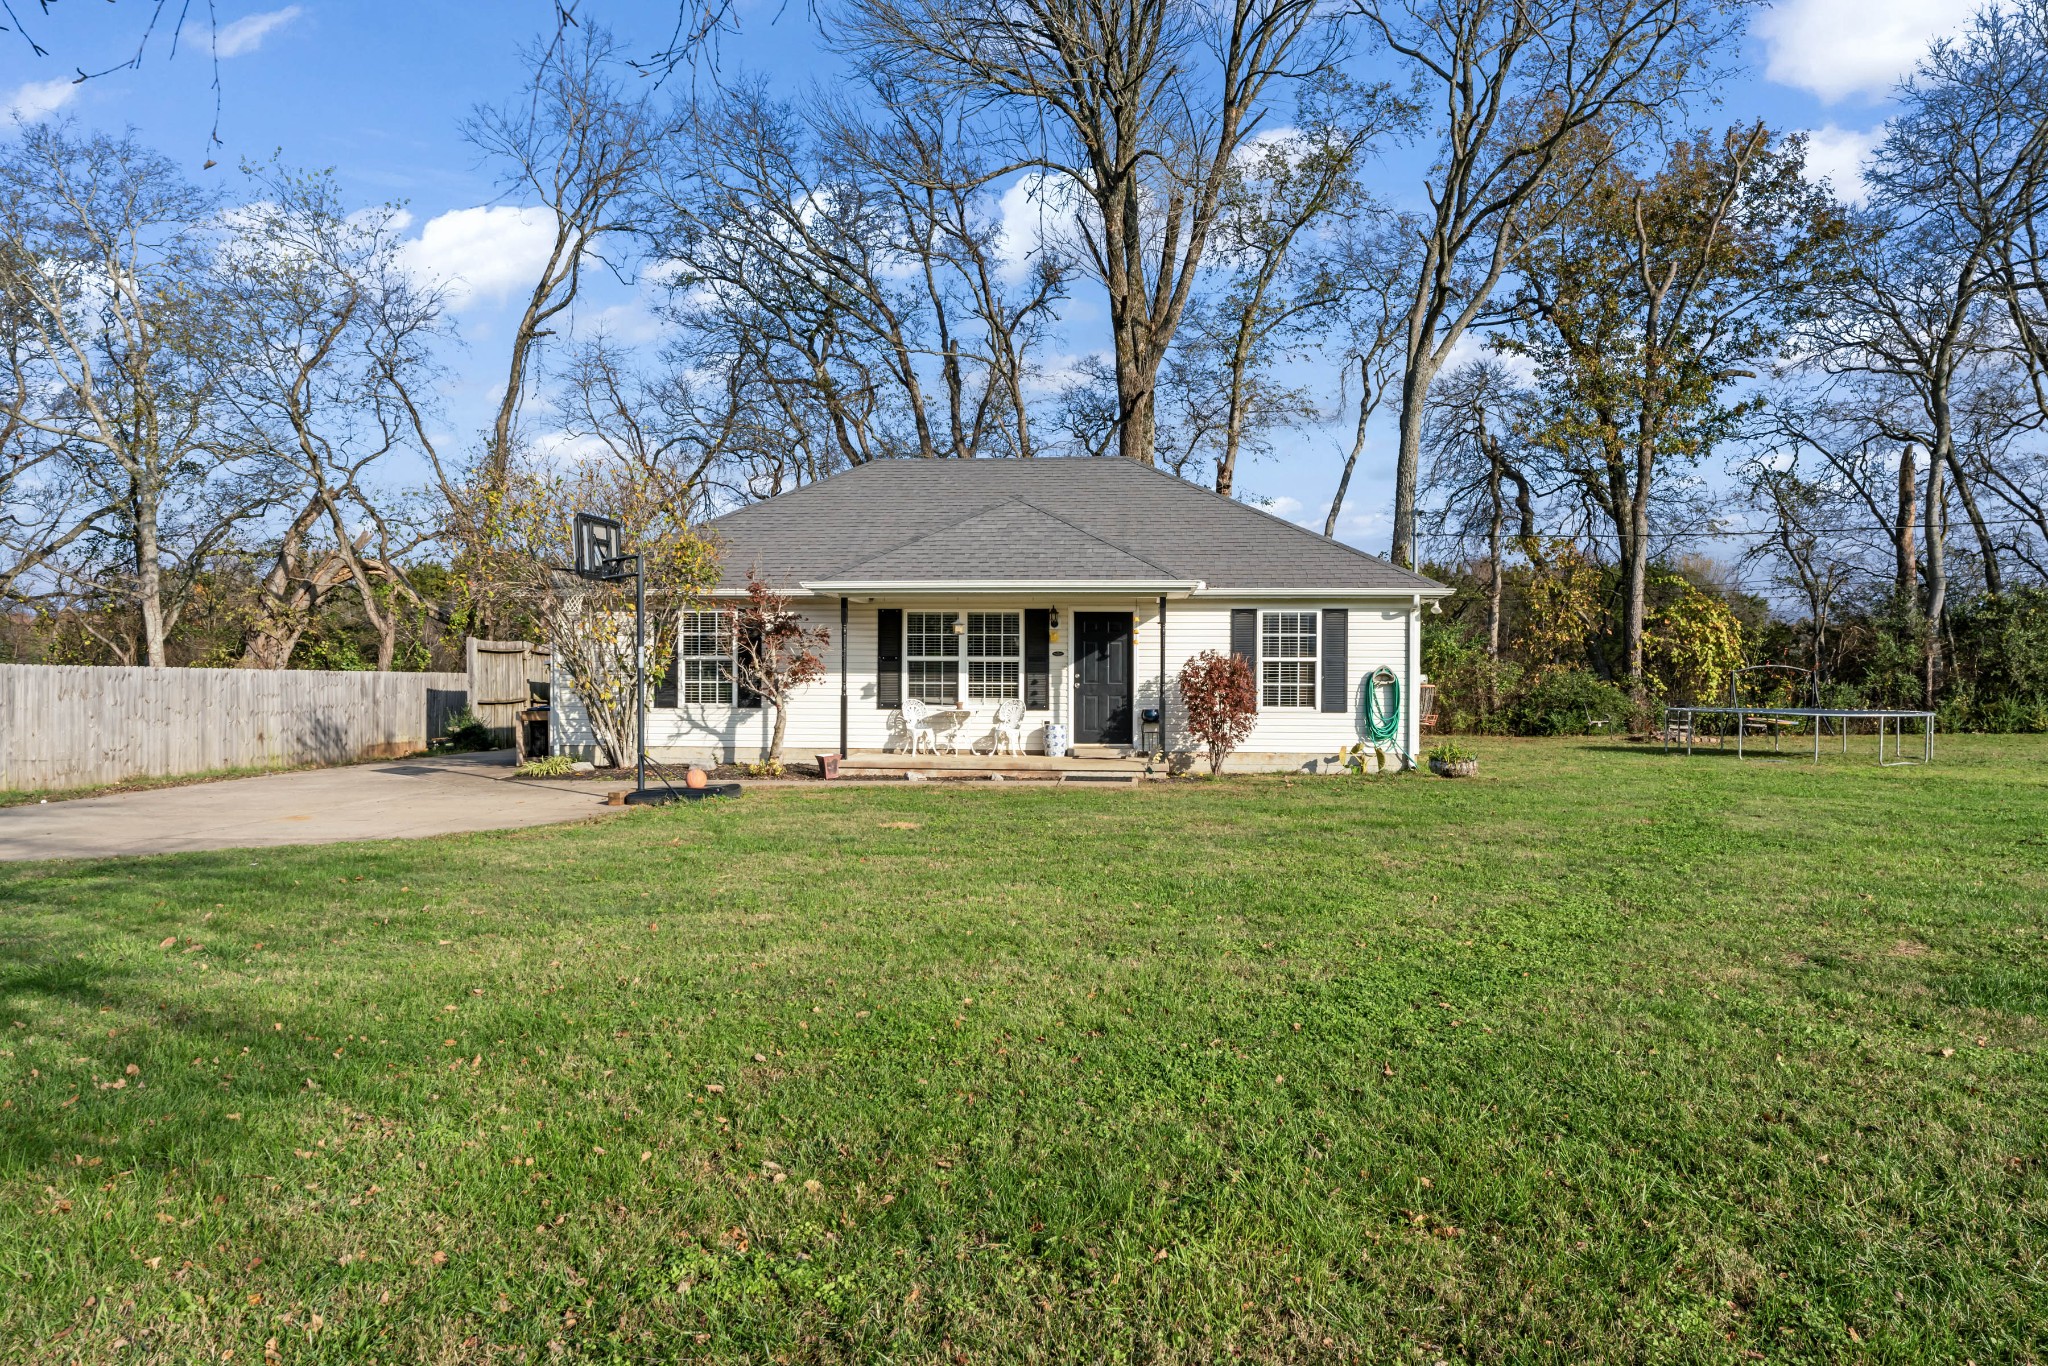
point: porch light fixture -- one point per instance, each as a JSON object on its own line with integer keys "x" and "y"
{"x": 1052, "y": 618}
{"x": 959, "y": 626}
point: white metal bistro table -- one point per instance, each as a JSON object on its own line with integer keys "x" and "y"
{"x": 1889, "y": 722}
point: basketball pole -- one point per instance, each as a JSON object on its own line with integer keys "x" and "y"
{"x": 640, "y": 672}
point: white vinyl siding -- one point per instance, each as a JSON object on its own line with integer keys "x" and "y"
{"x": 1380, "y": 632}
{"x": 1287, "y": 659}
{"x": 706, "y": 650}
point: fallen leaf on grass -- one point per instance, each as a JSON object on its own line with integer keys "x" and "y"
{"x": 168, "y": 942}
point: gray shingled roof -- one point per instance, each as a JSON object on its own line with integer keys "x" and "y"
{"x": 1041, "y": 521}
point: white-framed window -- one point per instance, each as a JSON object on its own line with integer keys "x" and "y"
{"x": 931, "y": 657}
{"x": 705, "y": 646}
{"x": 995, "y": 655}
{"x": 1287, "y": 659}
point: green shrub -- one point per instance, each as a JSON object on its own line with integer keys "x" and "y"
{"x": 1566, "y": 702}
{"x": 1450, "y": 752}
{"x": 549, "y": 766}
{"x": 467, "y": 734}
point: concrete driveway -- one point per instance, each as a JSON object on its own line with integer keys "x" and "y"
{"x": 404, "y": 799}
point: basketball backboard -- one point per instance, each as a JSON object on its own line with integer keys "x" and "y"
{"x": 600, "y": 545}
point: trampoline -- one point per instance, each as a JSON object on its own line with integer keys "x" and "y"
{"x": 1891, "y": 723}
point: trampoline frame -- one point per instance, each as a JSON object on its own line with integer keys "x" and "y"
{"x": 1889, "y": 721}
{"x": 1892, "y": 723}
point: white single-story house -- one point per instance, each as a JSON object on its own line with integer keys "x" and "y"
{"x": 1077, "y": 587}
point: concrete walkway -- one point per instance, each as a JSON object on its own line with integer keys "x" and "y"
{"x": 400, "y": 800}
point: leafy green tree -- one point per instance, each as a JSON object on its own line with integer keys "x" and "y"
{"x": 1645, "y": 299}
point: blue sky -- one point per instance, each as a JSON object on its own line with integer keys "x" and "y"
{"x": 377, "y": 90}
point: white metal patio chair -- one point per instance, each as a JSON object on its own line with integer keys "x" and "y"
{"x": 1006, "y": 735}
{"x": 917, "y": 717}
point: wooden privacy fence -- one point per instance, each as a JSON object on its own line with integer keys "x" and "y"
{"x": 502, "y": 679}
{"x": 75, "y": 726}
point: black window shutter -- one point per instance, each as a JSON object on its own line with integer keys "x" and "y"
{"x": 1336, "y": 647}
{"x": 1037, "y": 659}
{"x": 1244, "y": 636}
{"x": 665, "y": 676}
{"x": 744, "y": 696}
{"x": 889, "y": 658}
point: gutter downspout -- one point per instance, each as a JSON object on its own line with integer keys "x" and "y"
{"x": 1412, "y": 723}
{"x": 1162, "y": 675}
{"x": 842, "y": 678}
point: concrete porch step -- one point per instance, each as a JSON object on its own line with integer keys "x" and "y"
{"x": 983, "y": 767}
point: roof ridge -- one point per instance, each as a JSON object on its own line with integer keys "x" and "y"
{"x": 1104, "y": 540}
{"x": 1275, "y": 518}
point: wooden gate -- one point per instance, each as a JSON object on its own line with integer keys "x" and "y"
{"x": 502, "y": 675}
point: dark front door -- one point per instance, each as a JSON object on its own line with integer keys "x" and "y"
{"x": 1102, "y": 678}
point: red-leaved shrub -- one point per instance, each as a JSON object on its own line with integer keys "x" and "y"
{"x": 1222, "y": 703}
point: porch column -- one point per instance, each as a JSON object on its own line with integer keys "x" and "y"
{"x": 1163, "y": 747}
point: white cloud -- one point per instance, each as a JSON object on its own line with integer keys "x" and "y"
{"x": 32, "y": 101}
{"x": 1036, "y": 211}
{"x": 483, "y": 253}
{"x": 1837, "y": 48}
{"x": 1471, "y": 346}
{"x": 1836, "y": 155}
{"x": 247, "y": 33}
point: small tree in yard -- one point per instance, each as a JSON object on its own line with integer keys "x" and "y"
{"x": 1222, "y": 703}
{"x": 589, "y": 624}
{"x": 775, "y": 653}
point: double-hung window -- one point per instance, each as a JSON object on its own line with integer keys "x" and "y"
{"x": 995, "y": 655}
{"x": 1287, "y": 659}
{"x": 931, "y": 657}
{"x": 706, "y": 650}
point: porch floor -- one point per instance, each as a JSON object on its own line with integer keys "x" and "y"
{"x": 1022, "y": 767}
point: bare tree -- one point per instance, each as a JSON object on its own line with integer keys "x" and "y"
{"x": 106, "y": 276}
{"x": 1475, "y": 475}
{"x": 1277, "y": 248}
{"x": 1516, "y": 81}
{"x": 333, "y": 338}
{"x": 855, "y": 257}
{"x": 1141, "y": 106}
{"x": 1373, "y": 269}
{"x": 574, "y": 147}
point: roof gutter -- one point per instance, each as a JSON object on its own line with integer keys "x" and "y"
{"x": 1172, "y": 588}
{"x": 1325, "y": 594}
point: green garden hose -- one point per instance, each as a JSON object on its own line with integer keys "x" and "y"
{"x": 1382, "y": 730}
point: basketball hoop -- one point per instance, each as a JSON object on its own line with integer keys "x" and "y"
{"x": 600, "y": 546}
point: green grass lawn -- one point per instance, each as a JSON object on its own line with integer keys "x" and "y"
{"x": 1601, "y": 1056}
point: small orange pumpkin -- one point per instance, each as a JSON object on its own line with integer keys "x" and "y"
{"x": 695, "y": 777}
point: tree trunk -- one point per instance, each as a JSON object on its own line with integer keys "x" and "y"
{"x": 1987, "y": 549}
{"x": 1937, "y": 575}
{"x": 149, "y": 579}
{"x": 1136, "y": 434}
{"x": 1233, "y": 435}
{"x": 1904, "y": 566}
{"x": 1415, "y": 382}
{"x": 775, "y": 736}
{"x": 1636, "y": 548}
{"x": 1357, "y": 446}
{"x": 1493, "y": 530}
